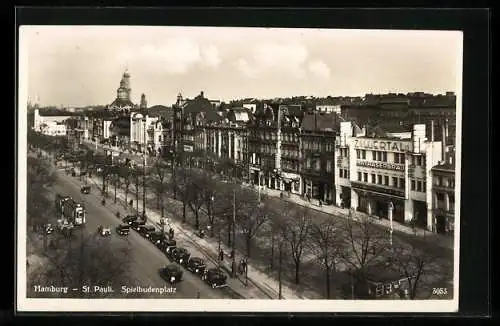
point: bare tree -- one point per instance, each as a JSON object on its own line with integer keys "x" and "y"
{"x": 296, "y": 235}
{"x": 126, "y": 176}
{"x": 412, "y": 263}
{"x": 161, "y": 170}
{"x": 196, "y": 196}
{"x": 250, "y": 217}
{"x": 137, "y": 185}
{"x": 180, "y": 182}
{"x": 327, "y": 241}
{"x": 366, "y": 243}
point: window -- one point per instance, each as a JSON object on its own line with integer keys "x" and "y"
{"x": 308, "y": 163}
{"x": 365, "y": 177}
{"x": 328, "y": 166}
{"x": 359, "y": 176}
{"x": 363, "y": 154}
{"x": 317, "y": 166}
{"x": 346, "y": 173}
{"x": 358, "y": 154}
{"x": 452, "y": 182}
{"x": 379, "y": 179}
{"x": 419, "y": 185}
{"x": 384, "y": 156}
{"x": 412, "y": 160}
{"x": 394, "y": 181}
{"x": 424, "y": 186}
{"x": 396, "y": 157}
{"x": 440, "y": 196}
{"x": 341, "y": 173}
{"x": 419, "y": 161}
{"x": 401, "y": 182}
{"x": 386, "y": 180}
{"x": 373, "y": 178}
{"x": 412, "y": 185}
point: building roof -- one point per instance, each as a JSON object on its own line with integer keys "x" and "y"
{"x": 321, "y": 122}
{"x": 160, "y": 111}
{"x": 239, "y": 114}
{"x": 196, "y": 105}
{"x": 121, "y": 103}
{"x": 57, "y": 113}
{"x": 447, "y": 167}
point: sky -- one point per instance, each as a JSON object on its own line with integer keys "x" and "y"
{"x": 83, "y": 65}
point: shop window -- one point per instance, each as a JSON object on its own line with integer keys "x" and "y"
{"x": 365, "y": 177}
{"x": 412, "y": 185}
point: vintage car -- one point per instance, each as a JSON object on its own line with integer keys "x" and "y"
{"x": 129, "y": 219}
{"x": 167, "y": 246}
{"x": 123, "y": 229}
{"x": 85, "y": 189}
{"x": 104, "y": 231}
{"x": 157, "y": 237}
{"x": 137, "y": 224}
{"x": 146, "y": 230}
{"x": 171, "y": 273}
{"x": 215, "y": 278}
{"x": 196, "y": 265}
{"x": 180, "y": 255}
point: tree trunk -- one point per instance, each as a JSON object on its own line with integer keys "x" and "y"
{"x": 327, "y": 275}
{"x": 162, "y": 209}
{"x": 249, "y": 244}
{"x": 197, "y": 220}
{"x": 297, "y": 272}
{"x": 184, "y": 212}
{"x": 116, "y": 181}
{"x": 272, "y": 252}
{"x": 126, "y": 196}
{"x": 229, "y": 235}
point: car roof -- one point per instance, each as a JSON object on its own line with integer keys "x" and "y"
{"x": 181, "y": 249}
{"x": 198, "y": 259}
{"x": 149, "y": 227}
{"x": 124, "y": 226}
{"x": 172, "y": 266}
{"x": 215, "y": 271}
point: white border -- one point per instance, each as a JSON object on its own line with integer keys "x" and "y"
{"x": 201, "y": 305}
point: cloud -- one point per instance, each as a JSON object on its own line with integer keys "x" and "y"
{"x": 211, "y": 57}
{"x": 319, "y": 69}
{"x": 274, "y": 58}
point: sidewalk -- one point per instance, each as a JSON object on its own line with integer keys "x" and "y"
{"x": 440, "y": 240}
{"x": 209, "y": 247}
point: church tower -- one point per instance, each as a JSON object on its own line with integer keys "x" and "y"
{"x": 144, "y": 103}
{"x": 123, "y": 92}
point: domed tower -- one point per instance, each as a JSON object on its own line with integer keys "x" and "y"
{"x": 179, "y": 99}
{"x": 123, "y": 92}
{"x": 144, "y": 103}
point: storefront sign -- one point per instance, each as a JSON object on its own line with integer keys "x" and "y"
{"x": 378, "y": 189}
{"x": 383, "y": 145}
{"x": 381, "y": 165}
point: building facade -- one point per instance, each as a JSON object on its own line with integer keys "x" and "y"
{"x": 395, "y": 170}
{"x": 443, "y": 196}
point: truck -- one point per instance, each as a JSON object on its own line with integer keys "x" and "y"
{"x": 60, "y": 199}
{"x": 74, "y": 212}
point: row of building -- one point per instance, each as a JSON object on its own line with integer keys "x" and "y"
{"x": 319, "y": 155}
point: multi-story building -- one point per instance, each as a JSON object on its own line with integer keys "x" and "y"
{"x": 317, "y": 148}
{"x": 390, "y": 170}
{"x": 50, "y": 121}
{"x": 274, "y": 148}
{"x": 443, "y": 196}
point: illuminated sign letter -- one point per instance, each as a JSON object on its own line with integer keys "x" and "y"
{"x": 382, "y": 146}
{"x": 375, "y": 144}
{"x": 395, "y": 146}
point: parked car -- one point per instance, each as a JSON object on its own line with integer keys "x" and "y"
{"x": 180, "y": 255}
{"x": 146, "y": 230}
{"x": 167, "y": 246}
{"x": 104, "y": 231}
{"x": 215, "y": 278}
{"x": 123, "y": 229}
{"x": 196, "y": 265}
{"x": 137, "y": 224}
{"x": 157, "y": 237}
{"x": 85, "y": 190}
{"x": 129, "y": 219}
{"x": 171, "y": 273}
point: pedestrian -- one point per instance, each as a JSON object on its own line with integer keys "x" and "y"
{"x": 221, "y": 255}
{"x": 232, "y": 254}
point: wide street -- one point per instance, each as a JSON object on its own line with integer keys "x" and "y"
{"x": 145, "y": 258}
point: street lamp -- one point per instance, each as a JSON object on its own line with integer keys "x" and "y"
{"x": 389, "y": 215}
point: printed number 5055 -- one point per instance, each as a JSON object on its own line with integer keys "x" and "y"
{"x": 439, "y": 291}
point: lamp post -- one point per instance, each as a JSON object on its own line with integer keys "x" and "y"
{"x": 389, "y": 215}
